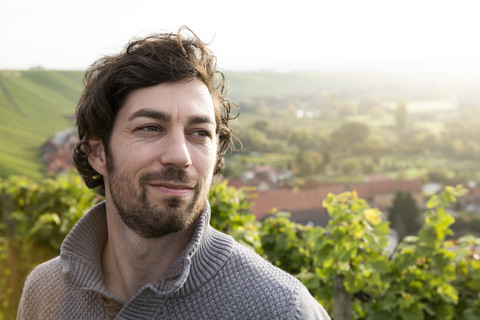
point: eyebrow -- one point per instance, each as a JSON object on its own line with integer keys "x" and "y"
{"x": 147, "y": 113}
{"x": 159, "y": 115}
{"x": 198, "y": 119}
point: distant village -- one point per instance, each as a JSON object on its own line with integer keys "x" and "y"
{"x": 304, "y": 205}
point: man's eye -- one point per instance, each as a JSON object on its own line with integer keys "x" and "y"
{"x": 149, "y": 128}
{"x": 202, "y": 133}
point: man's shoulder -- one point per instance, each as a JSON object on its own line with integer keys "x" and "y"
{"x": 42, "y": 280}
{"x": 244, "y": 264}
{"x": 255, "y": 267}
{"x": 44, "y": 274}
{"x": 47, "y": 294}
{"x": 271, "y": 288}
{"x": 39, "y": 289}
{"x": 250, "y": 265}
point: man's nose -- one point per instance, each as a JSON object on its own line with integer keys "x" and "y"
{"x": 175, "y": 151}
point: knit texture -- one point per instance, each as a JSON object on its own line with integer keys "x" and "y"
{"x": 215, "y": 278}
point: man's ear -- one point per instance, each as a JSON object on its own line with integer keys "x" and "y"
{"x": 97, "y": 156}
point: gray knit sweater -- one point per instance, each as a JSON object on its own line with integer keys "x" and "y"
{"x": 215, "y": 278}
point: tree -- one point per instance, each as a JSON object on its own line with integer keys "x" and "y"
{"x": 350, "y": 166}
{"x": 302, "y": 138}
{"x": 308, "y": 163}
{"x": 376, "y": 112}
{"x": 404, "y": 215}
{"x": 350, "y": 134}
{"x": 349, "y": 108}
{"x": 253, "y": 139}
{"x": 401, "y": 115}
{"x": 261, "y": 125}
{"x": 438, "y": 175}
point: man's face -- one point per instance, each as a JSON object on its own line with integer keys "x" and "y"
{"x": 161, "y": 157}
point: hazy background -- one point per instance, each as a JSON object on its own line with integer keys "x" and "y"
{"x": 390, "y": 108}
{"x": 340, "y": 35}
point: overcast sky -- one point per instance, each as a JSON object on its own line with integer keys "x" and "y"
{"x": 251, "y": 35}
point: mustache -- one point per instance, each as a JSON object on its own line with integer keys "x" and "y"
{"x": 168, "y": 175}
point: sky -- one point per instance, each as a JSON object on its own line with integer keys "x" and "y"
{"x": 251, "y": 35}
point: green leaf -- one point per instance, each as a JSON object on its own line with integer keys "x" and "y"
{"x": 448, "y": 293}
{"x": 433, "y": 202}
{"x": 427, "y": 238}
{"x": 379, "y": 265}
{"x": 443, "y": 311}
{"x": 413, "y": 312}
{"x": 471, "y": 314}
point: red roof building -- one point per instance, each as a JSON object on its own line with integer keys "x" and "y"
{"x": 305, "y": 206}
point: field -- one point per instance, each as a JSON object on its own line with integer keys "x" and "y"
{"x": 34, "y": 105}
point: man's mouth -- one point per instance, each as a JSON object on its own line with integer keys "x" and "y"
{"x": 172, "y": 189}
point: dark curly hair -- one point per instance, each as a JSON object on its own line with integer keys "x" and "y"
{"x": 146, "y": 62}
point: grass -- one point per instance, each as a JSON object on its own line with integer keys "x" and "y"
{"x": 34, "y": 105}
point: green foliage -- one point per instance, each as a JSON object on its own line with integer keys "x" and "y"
{"x": 425, "y": 277}
{"x": 438, "y": 175}
{"x": 468, "y": 277}
{"x": 426, "y": 274}
{"x": 36, "y": 218}
{"x": 285, "y": 243}
{"x": 350, "y": 134}
{"x": 231, "y": 214}
{"x": 308, "y": 163}
{"x": 467, "y": 223}
{"x": 404, "y": 215}
{"x": 351, "y": 246}
{"x": 301, "y": 138}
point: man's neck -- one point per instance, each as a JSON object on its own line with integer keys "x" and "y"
{"x": 129, "y": 262}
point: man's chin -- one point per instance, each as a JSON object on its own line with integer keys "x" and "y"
{"x": 168, "y": 203}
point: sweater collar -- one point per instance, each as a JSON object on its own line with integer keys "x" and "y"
{"x": 81, "y": 252}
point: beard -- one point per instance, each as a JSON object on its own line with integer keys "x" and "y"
{"x": 141, "y": 215}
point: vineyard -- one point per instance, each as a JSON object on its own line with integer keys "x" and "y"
{"x": 346, "y": 265}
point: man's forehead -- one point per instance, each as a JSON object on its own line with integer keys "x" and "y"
{"x": 170, "y": 100}
{"x": 167, "y": 117}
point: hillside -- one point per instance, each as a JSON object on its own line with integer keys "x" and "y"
{"x": 34, "y": 105}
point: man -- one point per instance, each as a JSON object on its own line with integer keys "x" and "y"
{"x": 154, "y": 126}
